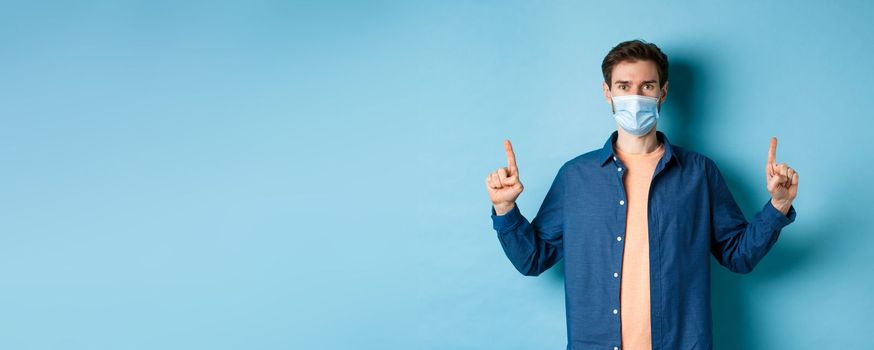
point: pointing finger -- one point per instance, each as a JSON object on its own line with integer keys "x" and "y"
{"x": 511, "y": 158}
{"x": 772, "y": 154}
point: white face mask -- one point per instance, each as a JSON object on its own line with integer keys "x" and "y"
{"x": 636, "y": 114}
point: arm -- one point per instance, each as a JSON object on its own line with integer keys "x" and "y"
{"x": 533, "y": 247}
{"x": 737, "y": 244}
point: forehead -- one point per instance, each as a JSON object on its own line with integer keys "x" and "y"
{"x": 637, "y": 71}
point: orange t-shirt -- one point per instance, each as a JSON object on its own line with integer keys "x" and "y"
{"x": 634, "y": 290}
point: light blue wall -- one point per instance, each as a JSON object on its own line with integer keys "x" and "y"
{"x": 266, "y": 175}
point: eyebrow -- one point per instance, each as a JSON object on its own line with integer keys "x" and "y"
{"x": 628, "y": 82}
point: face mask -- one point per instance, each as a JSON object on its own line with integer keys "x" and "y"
{"x": 636, "y": 114}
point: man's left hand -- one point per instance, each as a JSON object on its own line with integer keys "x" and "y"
{"x": 782, "y": 181}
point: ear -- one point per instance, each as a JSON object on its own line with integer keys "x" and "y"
{"x": 664, "y": 95}
{"x": 665, "y": 91}
{"x": 607, "y": 98}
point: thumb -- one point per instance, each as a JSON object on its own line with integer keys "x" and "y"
{"x": 776, "y": 181}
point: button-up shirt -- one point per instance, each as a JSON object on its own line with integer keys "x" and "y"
{"x": 691, "y": 215}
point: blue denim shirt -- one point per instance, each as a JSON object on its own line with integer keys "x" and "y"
{"x": 691, "y": 215}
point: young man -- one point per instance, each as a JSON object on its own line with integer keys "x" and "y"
{"x": 637, "y": 220}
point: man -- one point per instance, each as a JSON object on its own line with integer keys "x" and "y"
{"x": 637, "y": 220}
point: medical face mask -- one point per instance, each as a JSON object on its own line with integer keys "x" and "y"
{"x": 636, "y": 114}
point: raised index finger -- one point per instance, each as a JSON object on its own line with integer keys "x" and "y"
{"x": 772, "y": 154}
{"x": 511, "y": 157}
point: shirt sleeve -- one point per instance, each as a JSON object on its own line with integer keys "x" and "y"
{"x": 533, "y": 247}
{"x": 736, "y": 243}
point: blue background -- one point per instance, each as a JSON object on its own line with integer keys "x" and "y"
{"x": 275, "y": 175}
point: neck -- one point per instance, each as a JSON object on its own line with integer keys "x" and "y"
{"x": 642, "y": 144}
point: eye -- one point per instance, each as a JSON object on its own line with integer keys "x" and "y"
{"x": 648, "y": 86}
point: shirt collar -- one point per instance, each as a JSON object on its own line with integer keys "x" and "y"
{"x": 607, "y": 152}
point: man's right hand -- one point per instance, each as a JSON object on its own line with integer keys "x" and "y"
{"x": 503, "y": 185}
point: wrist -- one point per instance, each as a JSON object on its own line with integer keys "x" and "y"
{"x": 781, "y": 205}
{"x": 503, "y": 208}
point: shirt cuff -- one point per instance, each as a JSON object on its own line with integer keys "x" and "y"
{"x": 509, "y": 219}
{"x": 775, "y": 217}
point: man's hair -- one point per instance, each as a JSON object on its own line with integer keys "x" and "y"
{"x": 633, "y": 51}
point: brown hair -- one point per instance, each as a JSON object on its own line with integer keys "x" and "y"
{"x": 632, "y": 51}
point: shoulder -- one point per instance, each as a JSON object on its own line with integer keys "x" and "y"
{"x": 584, "y": 161}
{"x": 694, "y": 161}
{"x": 690, "y": 157}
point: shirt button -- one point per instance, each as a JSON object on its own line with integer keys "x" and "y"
{"x": 619, "y": 169}
{"x": 614, "y": 157}
{"x": 619, "y": 238}
{"x": 621, "y": 202}
{"x": 615, "y": 348}
{"x": 615, "y": 274}
{"x": 615, "y": 311}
